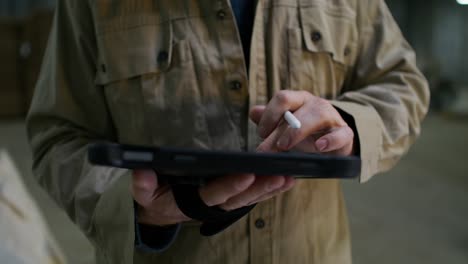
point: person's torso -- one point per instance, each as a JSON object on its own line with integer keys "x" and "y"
{"x": 174, "y": 74}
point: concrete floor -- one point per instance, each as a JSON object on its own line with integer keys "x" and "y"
{"x": 414, "y": 214}
{"x": 418, "y": 212}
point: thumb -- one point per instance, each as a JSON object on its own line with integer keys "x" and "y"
{"x": 144, "y": 186}
{"x": 256, "y": 113}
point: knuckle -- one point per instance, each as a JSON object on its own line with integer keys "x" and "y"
{"x": 324, "y": 117}
{"x": 320, "y": 101}
{"x": 349, "y": 132}
{"x": 306, "y": 94}
{"x": 242, "y": 183}
{"x": 238, "y": 186}
{"x": 321, "y": 113}
{"x": 282, "y": 97}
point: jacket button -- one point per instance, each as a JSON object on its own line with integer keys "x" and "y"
{"x": 221, "y": 14}
{"x": 236, "y": 85}
{"x": 347, "y": 51}
{"x": 316, "y": 36}
{"x": 260, "y": 223}
{"x": 163, "y": 56}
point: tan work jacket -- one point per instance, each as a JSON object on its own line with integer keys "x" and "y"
{"x": 24, "y": 235}
{"x": 172, "y": 73}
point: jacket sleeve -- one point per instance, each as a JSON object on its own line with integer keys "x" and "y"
{"x": 67, "y": 114}
{"x": 388, "y": 96}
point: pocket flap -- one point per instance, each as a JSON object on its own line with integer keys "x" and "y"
{"x": 132, "y": 52}
{"x": 329, "y": 31}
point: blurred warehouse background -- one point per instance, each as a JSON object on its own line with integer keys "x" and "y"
{"x": 414, "y": 214}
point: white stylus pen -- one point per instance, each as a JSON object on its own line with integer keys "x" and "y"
{"x": 292, "y": 120}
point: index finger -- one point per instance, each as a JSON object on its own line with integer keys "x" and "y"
{"x": 317, "y": 119}
{"x": 283, "y": 101}
{"x": 221, "y": 189}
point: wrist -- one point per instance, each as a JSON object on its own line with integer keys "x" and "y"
{"x": 150, "y": 217}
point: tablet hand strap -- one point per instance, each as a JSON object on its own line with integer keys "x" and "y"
{"x": 214, "y": 219}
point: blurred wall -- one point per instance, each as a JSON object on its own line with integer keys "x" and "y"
{"x": 437, "y": 31}
{"x": 24, "y": 30}
{"x": 18, "y": 8}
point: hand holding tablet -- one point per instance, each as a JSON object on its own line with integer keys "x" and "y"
{"x": 196, "y": 176}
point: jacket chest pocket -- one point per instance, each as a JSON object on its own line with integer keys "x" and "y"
{"x": 150, "y": 86}
{"x": 322, "y": 50}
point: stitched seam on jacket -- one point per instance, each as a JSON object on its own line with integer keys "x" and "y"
{"x": 110, "y": 27}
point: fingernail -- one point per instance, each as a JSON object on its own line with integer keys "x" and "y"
{"x": 322, "y": 144}
{"x": 283, "y": 143}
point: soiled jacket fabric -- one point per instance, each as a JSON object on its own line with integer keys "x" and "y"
{"x": 25, "y": 238}
{"x": 172, "y": 73}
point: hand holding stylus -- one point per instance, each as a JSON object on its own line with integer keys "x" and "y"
{"x": 316, "y": 126}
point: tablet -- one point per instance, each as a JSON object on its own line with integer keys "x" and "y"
{"x": 199, "y": 164}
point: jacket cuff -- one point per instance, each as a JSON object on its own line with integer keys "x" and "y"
{"x": 155, "y": 239}
{"x": 368, "y": 134}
